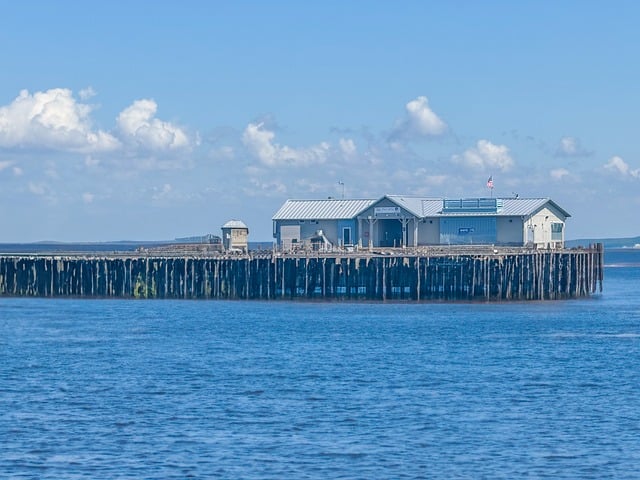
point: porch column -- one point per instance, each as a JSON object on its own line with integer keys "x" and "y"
{"x": 404, "y": 221}
{"x": 371, "y": 222}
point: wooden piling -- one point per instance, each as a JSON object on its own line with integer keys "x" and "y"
{"x": 514, "y": 275}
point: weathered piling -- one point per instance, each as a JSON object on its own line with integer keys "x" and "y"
{"x": 490, "y": 276}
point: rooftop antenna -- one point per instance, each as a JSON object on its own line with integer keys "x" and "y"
{"x": 342, "y": 183}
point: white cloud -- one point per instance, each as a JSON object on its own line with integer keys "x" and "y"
{"x": 37, "y": 188}
{"x": 419, "y": 121}
{"x": 558, "y": 173}
{"x": 55, "y": 120}
{"x": 87, "y": 93}
{"x": 617, "y": 164}
{"x": 162, "y": 192}
{"x": 310, "y": 186}
{"x": 571, "y": 147}
{"x": 138, "y": 125}
{"x": 348, "y": 147}
{"x": 486, "y": 155}
{"x": 6, "y": 164}
{"x": 423, "y": 119}
{"x": 225, "y": 153}
{"x": 436, "y": 179}
{"x": 259, "y": 141}
{"x": 88, "y": 197}
{"x": 52, "y": 120}
{"x": 265, "y": 188}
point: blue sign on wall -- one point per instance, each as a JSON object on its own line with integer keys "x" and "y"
{"x": 465, "y": 230}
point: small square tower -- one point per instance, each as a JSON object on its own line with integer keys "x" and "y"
{"x": 235, "y": 235}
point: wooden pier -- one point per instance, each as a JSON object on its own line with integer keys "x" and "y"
{"x": 442, "y": 275}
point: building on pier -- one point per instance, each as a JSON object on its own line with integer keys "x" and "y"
{"x": 235, "y": 236}
{"x": 320, "y": 224}
{"x": 413, "y": 221}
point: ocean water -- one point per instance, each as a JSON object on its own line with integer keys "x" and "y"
{"x": 107, "y": 389}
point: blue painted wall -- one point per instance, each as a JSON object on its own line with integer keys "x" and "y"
{"x": 468, "y": 230}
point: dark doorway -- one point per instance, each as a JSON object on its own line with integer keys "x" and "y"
{"x": 390, "y": 233}
{"x": 346, "y": 236}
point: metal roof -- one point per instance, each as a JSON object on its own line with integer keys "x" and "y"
{"x": 235, "y": 224}
{"x": 512, "y": 207}
{"x": 330, "y": 209}
{"x": 421, "y": 207}
{"x": 529, "y": 206}
{"x": 431, "y": 207}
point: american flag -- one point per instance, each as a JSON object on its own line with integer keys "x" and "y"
{"x": 490, "y": 182}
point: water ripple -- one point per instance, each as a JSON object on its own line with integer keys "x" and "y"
{"x": 165, "y": 390}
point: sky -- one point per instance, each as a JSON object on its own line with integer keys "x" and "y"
{"x": 160, "y": 120}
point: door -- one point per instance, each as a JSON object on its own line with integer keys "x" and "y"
{"x": 346, "y": 236}
{"x": 390, "y": 233}
{"x": 530, "y": 235}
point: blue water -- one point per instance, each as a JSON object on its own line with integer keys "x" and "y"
{"x": 179, "y": 389}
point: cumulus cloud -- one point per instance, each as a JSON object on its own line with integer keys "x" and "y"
{"x": 161, "y": 192}
{"x": 87, "y": 93}
{"x": 138, "y": 126}
{"x": 6, "y": 164}
{"x": 259, "y": 141}
{"x": 486, "y": 155}
{"x": 52, "y": 119}
{"x": 558, "y": 173}
{"x": 436, "y": 180}
{"x": 419, "y": 121}
{"x": 571, "y": 147}
{"x": 37, "y": 188}
{"x": 617, "y": 164}
{"x": 266, "y": 188}
{"x": 222, "y": 153}
{"x": 347, "y": 147}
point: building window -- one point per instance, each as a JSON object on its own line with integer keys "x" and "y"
{"x": 556, "y": 232}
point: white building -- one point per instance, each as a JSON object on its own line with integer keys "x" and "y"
{"x": 406, "y": 221}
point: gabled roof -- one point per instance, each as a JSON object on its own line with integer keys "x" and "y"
{"x": 511, "y": 207}
{"x": 421, "y": 207}
{"x": 528, "y": 206}
{"x": 330, "y": 209}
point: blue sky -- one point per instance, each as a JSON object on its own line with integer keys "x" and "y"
{"x": 151, "y": 120}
